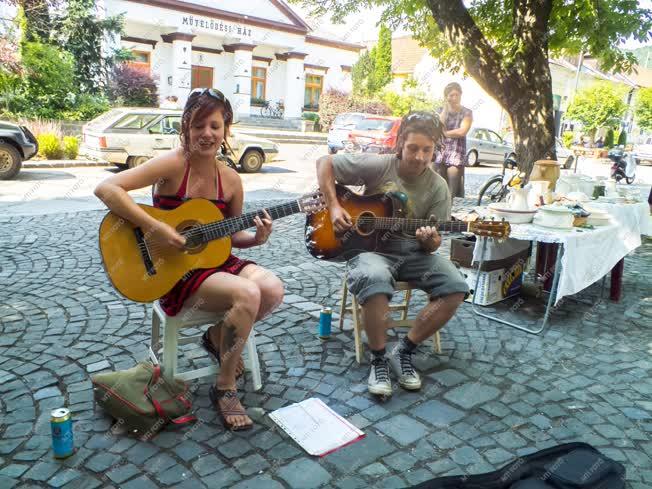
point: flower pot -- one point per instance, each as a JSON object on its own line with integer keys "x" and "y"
{"x": 307, "y": 126}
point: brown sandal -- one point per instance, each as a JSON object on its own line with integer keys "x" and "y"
{"x": 234, "y": 407}
{"x": 208, "y": 345}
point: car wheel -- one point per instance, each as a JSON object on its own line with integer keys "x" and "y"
{"x": 251, "y": 161}
{"x": 568, "y": 164}
{"x": 135, "y": 161}
{"x": 10, "y": 161}
{"x": 472, "y": 158}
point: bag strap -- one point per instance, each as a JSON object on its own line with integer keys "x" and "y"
{"x": 188, "y": 418}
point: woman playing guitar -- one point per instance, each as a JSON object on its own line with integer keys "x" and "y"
{"x": 242, "y": 289}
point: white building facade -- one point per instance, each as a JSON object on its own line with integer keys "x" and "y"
{"x": 252, "y": 51}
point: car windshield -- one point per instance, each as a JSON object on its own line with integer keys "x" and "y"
{"x": 374, "y": 125}
{"x": 347, "y": 119}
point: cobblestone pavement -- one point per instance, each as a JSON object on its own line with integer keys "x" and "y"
{"x": 493, "y": 394}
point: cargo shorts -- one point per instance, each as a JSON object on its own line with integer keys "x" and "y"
{"x": 376, "y": 273}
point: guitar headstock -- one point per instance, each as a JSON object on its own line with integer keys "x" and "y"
{"x": 311, "y": 203}
{"x": 490, "y": 228}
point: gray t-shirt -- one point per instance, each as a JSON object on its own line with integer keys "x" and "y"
{"x": 427, "y": 195}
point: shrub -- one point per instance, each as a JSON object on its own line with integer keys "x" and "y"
{"x": 70, "y": 147}
{"x": 310, "y": 116}
{"x": 402, "y": 104}
{"x": 49, "y": 146}
{"x": 609, "y": 138}
{"x": 371, "y": 106}
{"x": 87, "y": 107}
{"x": 40, "y": 126}
{"x": 567, "y": 138}
{"x": 132, "y": 87}
{"x": 332, "y": 103}
{"x": 622, "y": 138}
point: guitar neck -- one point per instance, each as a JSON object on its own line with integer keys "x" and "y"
{"x": 227, "y": 227}
{"x": 411, "y": 225}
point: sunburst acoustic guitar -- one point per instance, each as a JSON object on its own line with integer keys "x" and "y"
{"x": 143, "y": 272}
{"x": 375, "y": 217}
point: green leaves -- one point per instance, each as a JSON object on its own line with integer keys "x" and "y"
{"x": 601, "y": 105}
{"x": 643, "y": 108}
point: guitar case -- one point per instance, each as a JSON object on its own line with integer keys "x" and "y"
{"x": 568, "y": 466}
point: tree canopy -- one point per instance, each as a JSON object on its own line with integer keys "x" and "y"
{"x": 643, "y": 108}
{"x": 505, "y": 46}
{"x": 601, "y": 105}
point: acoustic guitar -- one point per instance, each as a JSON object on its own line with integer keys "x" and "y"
{"x": 375, "y": 218}
{"x": 143, "y": 271}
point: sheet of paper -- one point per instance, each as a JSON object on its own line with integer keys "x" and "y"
{"x": 316, "y": 427}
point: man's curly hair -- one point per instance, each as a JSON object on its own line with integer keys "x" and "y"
{"x": 421, "y": 122}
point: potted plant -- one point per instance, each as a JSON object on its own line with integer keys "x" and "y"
{"x": 308, "y": 121}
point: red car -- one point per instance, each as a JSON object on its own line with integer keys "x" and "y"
{"x": 374, "y": 134}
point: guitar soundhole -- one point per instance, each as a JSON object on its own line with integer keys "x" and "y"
{"x": 365, "y": 223}
{"x": 193, "y": 236}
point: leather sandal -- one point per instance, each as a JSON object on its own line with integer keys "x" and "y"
{"x": 230, "y": 397}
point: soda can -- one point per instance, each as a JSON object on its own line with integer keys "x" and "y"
{"x": 63, "y": 444}
{"x": 325, "y": 317}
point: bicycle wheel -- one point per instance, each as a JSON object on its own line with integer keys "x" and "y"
{"x": 492, "y": 191}
{"x": 267, "y": 111}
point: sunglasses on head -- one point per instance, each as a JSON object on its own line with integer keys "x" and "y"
{"x": 420, "y": 117}
{"x": 212, "y": 92}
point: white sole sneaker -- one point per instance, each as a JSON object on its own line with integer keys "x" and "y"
{"x": 411, "y": 381}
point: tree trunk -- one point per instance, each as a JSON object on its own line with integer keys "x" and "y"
{"x": 524, "y": 87}
{"x": 533, "y": 117}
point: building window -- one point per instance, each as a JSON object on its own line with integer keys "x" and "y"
{"x": 202, "y": 77}
{"x": 140, "y": 61}
{"x": 258, "y": 78}
{"x": 313, "y": 91}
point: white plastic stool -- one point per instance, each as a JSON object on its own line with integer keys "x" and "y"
{"x": 189, "y": 318}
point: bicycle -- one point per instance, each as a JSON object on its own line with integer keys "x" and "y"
{"x": 272, "y": 109}
{"x": 497, "y": 187}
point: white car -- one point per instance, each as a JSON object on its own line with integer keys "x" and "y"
{"x": 129, "y": 137}
{"x": 643, "y": 152}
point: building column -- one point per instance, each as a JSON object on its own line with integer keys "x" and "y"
{"x": 181, "y": 63}
{"x": 295, "y": 85}
{"x": 242, "y": 63}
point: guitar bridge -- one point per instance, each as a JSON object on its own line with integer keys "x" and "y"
{"x": 144, "y": 252}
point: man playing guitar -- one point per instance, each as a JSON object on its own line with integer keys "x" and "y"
{"x": 403, "y": 257}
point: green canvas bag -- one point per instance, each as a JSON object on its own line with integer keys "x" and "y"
{"x": 142, "y": 400}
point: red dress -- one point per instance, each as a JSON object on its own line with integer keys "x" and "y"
{"x": 172, "y": 302}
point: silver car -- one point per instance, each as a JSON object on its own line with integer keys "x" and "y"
{"x": 486, "y": 145}
{"x": 129, "y": 137}
{"x": 338, "y": 133}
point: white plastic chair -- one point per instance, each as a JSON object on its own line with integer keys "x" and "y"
{"x": 187, "y": 318}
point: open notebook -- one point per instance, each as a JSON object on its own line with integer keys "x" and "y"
{"x": 316, "y": 427}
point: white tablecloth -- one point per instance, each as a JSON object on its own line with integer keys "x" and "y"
{"x": 634, "y": 217}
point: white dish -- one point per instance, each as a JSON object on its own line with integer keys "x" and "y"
{"x": 511, "y": 215}
{"x": 557, "y": 228}
{"x": 562, "y": 209}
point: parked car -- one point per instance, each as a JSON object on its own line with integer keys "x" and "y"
{"x": 128, "y": 137}
{"x": 338, "y": 133}
{"x": 374, "y": 134}
{"x": 564, "y": 155}
{"x": 486, "y": 145}
{"x": 17, "y": 144}
{"x": 643, "y": 152}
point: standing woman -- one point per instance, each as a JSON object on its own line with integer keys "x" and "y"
{"x": 244, "y": 291}
{"x": 451, "y": 157}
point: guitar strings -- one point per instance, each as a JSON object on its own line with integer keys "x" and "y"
{"x": 230, "y": 225}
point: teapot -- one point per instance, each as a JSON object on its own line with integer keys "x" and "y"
{"x": 518, "y": 199}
